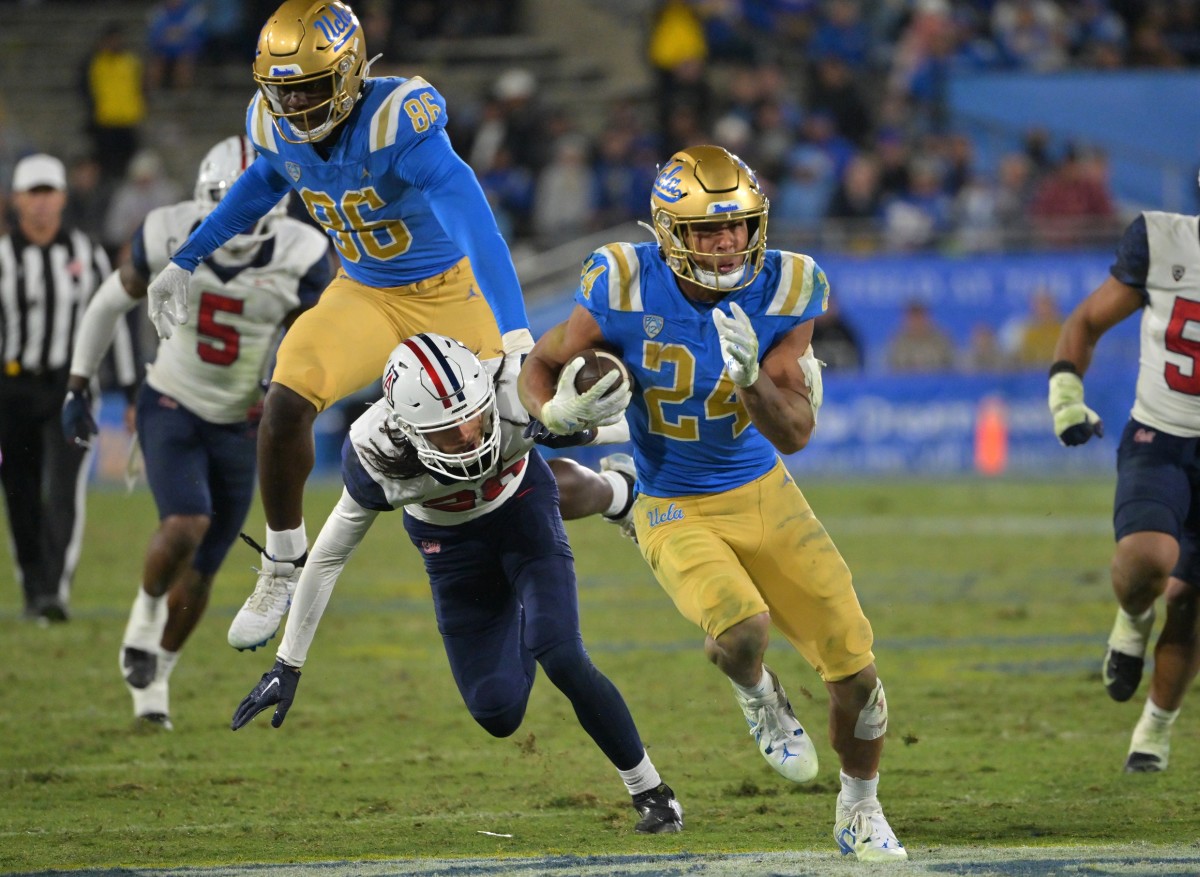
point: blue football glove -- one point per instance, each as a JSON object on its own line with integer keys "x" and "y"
{"x": 542, "y": 435}
{"x": 277, "y": 686}
{"x": 77, "y": 421}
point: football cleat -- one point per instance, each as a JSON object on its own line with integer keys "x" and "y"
{"x": 781, "y": 738}
{"x": 1150, "y": 746}
{"x": 1125, "y": 657}
{"x": 863, "y": 831}
{"x": 1122, "y": 674}
{"x": 660, "y": 812}
{"x": 260, "y": 616}
{"x": 622, "y": 464}
{"x": 137, "y": 666}
{"x": 151, "y": 703}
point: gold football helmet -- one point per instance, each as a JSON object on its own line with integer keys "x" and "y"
{"x": 708, "y": 184}
{"x": 309, "y": 66}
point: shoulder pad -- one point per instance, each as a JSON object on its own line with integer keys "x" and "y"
{"x": 260, "y": 127}
{"x": 421, "y": 113}
{"x": 621, "y": 262}
{"x": 799, "y": 279}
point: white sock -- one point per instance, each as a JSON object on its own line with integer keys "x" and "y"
{"x": 642, "y": 778}
{"x": 855, "y": 790}
{"x": 286, "y": 544}
{"x": 166, "y": 663}
{"x": 1158, "y": 714}
{"x": 146, "y": 621}
{"x": 1131, "y": 632}
{"x": 620, "y": 492}
{"x": 765, "y": 686}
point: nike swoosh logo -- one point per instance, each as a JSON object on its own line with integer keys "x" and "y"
{"x": 274, "y": 681}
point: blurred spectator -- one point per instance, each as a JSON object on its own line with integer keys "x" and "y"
{"x": 1036, "y": 335}
{"x": 984, "y": 352}
{"x": 116, "y": 103}
{"x": 145, "y": 187}
{"x": 563, "y": 193}
{"x": 1073, "y": 193}
{"x": 1014, "y": 194}
{"x": 915, "y": 219}
{"x": 835, "y": 342}
{"x": 842, "y": 35}
{"x": 513, "y": 119}
{"x": 1032, "y": 34}
{"x": 176, "y": 36}
{"x": 833, "y": 90}
{"x": 88, "y": 196}
{"x": 920, "y": 345}
{"x": 677, "y": 50}
{"x": 803, "y": 196}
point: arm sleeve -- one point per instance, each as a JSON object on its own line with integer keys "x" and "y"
{"x": 343, "y": 531}
{"x": 257, "y": 190}
{"x": 98, "y": 325}
{"x": 1133, "y": 255}
{"x": 458, "y": 202}
{"x": 124, "y": 359}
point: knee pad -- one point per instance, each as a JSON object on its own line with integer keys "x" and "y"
{"x": 502, "y": 724}
{"x": 872, "y": 719}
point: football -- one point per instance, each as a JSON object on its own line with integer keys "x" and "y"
{"x": 596, "y": 364}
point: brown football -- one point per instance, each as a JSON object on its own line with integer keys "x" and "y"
{"x": 596, "y": 364}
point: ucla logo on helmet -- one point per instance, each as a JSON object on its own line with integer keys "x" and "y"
{"x": 286, "y": 70}
{"x": 337, "y": 26}
{"x": 667, "y": 183}
{"x": 652, "y": 324}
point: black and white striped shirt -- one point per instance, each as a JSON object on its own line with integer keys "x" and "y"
{"x": 43, "y": 292}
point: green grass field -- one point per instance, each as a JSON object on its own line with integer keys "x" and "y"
{"x": 990, "y": 602}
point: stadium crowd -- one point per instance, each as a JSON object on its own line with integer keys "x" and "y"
{"x": 839, "y": 104}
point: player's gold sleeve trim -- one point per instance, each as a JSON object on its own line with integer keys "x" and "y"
{"x": 624, "y": 278}
{"x": 262, "y": 127}
{"x": 795, "y": 287}
{"x": 386, "y": 120}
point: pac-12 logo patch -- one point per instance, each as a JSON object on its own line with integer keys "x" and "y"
{"x": 293, "y": 170}
{"x": 1177, "y": 272}
{"x": 652, "y": 324}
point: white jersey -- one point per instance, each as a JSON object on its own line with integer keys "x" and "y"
{"x": 213, "y": 363}
{"x": 443, "y": 502}
{"x": 1168, "y": 384}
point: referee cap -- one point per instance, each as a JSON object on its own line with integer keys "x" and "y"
{"x": 40, "y": 170}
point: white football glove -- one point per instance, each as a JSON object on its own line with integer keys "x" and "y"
{"x": 168, "y": 295}
{"x": 569, "y": 411}
{"x": 1074, "y": 422}
{"x": 739, "y": 345}
{"x": 517, "y": 345}
{"x": 811, "y": 366}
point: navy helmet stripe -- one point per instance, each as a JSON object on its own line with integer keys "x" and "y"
{"x": 451, "y": 379}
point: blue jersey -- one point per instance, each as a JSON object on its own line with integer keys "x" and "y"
{"x": 398, "y": 204}
{"x": 691, "y": 434}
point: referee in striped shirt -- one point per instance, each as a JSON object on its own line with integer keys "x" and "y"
{"x": 47, "y": 275}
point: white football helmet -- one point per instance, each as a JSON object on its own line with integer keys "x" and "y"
{"x": 219, "y": 170}
{"x": 433, "y": 384}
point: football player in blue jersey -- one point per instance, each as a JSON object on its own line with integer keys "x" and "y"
{"x": 715, "y": 330}
{"x": 419, "y": 249}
